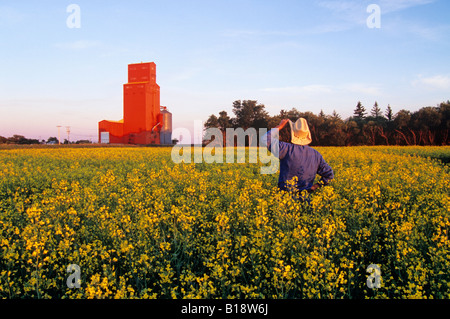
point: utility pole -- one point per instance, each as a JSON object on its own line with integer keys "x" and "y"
{"x": 59, "y": 139}
{"x": 68, "y": 134}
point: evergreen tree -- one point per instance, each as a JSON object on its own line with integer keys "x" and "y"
{"x": 322, "y": 114}
{"x": 427, "y": 126}
{"x": 389, "y": 113}
{"x": 335, "y": 115}
{"x": 376, "y": 111}
{"x": 360, "y": 111}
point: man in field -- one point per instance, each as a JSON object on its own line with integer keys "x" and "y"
{"x": 299, "y": 163}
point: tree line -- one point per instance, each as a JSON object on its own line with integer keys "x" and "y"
{"x": 22, "y": 140}
{"x": 427, "y": 126}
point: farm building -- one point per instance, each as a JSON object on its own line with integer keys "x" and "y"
{"x": 144, "y": 121}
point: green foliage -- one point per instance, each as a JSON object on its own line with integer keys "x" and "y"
{"x": 427, "y": 126}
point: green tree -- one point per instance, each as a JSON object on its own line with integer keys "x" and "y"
{"x": 424, "y": 122}
{"x": 83, "y": 142}
{"x": 444, "y": 128}
{"x": 376, "y": 111}
{"x": 360, "y": 111}
{"x": 370, "y": 131}
{"x": 224, "y": 121}
{"x": 52, "y": 140}
{"x": 211, "y": 122}
{"x": 389, "y": 114}
{"x": 335, "y": 115}
{"x": 250, "y": 114}
{"x": 285, "y": 133}
{"x": 247, "y": 112}
{"x": 322, "y": 114}
{"x": 314, "y": 124}
{"x": 293, "y": 114}
{"x": 352, "y": 132}
{"x": 402, "y": 127}
{"x": 334, "y": 131}
{"x": 20, "y": 139}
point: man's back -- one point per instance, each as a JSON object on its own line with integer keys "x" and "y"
{"x": 303, "y": 162}
{"x": 297, "y": 159}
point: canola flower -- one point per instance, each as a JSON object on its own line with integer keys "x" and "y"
{"x": 140, "y": 226}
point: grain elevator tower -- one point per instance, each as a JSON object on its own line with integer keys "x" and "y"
{"x": 143, "y": 116}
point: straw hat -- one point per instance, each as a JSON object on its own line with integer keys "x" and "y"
{"x": 300, "y": 132}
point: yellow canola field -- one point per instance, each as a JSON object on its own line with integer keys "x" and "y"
{"x": 139, "y": 226}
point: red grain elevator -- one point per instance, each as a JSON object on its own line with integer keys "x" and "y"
{"x": 145, "y": 121}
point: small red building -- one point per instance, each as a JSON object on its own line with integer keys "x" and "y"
{"x": 144, "y": 120}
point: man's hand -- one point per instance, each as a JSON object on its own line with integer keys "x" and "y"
{"x": 314, "y": 188}
{"x": 282, "y": 123}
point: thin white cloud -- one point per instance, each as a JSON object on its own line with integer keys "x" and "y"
{"x": 437, "y": 33}
{"x": 77, "y": 45}
{"x": 307, "y": 89}
{"x": 389, "y": 6}
{"x": 347, "y": 14}
{"x": 352, "y": 13}
{"x": 439, "y": 82}
{"x": 238, "y": 33}
{"x": 339, "y": 5}
{"x": 310, "y": 30}
{"x": 365, "y": 89}
{"x": 356, "y": 10}
{"x": 320, "y": 89}
{"x": 185, "y": 74}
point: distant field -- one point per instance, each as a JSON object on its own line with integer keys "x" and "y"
{"x": 432, "y": 152}
{"x": 140, "y": 226}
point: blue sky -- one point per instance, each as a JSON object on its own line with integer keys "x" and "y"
{"x": 310, "y": 55}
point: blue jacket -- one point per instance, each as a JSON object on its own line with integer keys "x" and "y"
{"x": 298, "y": 161}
